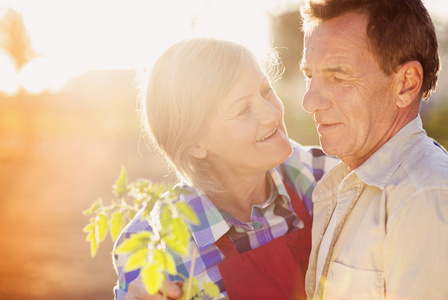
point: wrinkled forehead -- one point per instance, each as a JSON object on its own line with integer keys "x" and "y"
{"x": 345, "y": 33}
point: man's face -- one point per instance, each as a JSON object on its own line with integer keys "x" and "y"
{"x": 349, "y": 97}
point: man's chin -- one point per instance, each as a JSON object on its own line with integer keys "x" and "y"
{"x": 330, "y": 148}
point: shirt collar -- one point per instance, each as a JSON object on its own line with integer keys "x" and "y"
{"x": 378, "y": 169}
{"x": 212, "y": 223}
{"x": 280, "y": 187}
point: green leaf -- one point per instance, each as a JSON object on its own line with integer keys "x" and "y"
{"x": 101, "y": 227}
{"x": 188, "y": 212}
{"x": 134, "y": 242}
{"x": 91, "y": 235}
{"x": 195, "y": 289}
{"x": 116, "y": 224}
{"x": 143, "y": 236}
{"x": 180, "y": 191}
{"x": 158, "y": 257}
{"x": 89, "y": 227}
{"x": 180, "y": 229}
{"x": 176, "y": 245}
{"x": 165, "y": 217}
{"x": 179, "y": 238}
{"x": 128, "y": 245}
{"x": 132, "y": 214}
{"x": 163, "y": 258}
{"x": 93, "y": 247}
{"x": 121, "y": 185}
{"x": 93, "y": 208}
{"x": 170, "y": 265}
{"x": 148, "y": 208}
{"x": 211, "y": 289}
{"x": 160, "y": 188}
{"x": 152, "y": 278}
{"x": 136, "y": 260}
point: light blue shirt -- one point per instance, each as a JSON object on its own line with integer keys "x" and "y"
{"x": 390, "y": 238}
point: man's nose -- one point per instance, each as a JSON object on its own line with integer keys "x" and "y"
{"x": 315, "y": 97}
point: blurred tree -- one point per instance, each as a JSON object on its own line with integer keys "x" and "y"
{"x": 14, "y": 38}
{"x": 288, "y": 42}
{"x": 435, "y": 121}
{"x": 434, "y": 113}
{"x": 15, "y": 41}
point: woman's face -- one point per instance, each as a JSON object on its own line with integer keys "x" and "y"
{"x": 247, "y": 134}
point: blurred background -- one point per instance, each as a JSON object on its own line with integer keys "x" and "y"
{"x": 68, "y": 121}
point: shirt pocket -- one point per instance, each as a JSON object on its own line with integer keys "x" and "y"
{"x": 348, "y": 283}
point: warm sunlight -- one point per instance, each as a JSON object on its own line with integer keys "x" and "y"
{"x": 70, "y": 120}
{"x": 70, "y": 37}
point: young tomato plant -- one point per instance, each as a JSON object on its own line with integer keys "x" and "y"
{"x": 149, "y": 251}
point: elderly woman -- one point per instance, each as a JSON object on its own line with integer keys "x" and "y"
{"x": 215, "y": 117}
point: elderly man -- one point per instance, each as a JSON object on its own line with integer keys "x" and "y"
{"x": 381, "y": 216}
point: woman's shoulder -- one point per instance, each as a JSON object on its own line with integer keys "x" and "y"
{"x": 139, "y": 223}
{"x": 307, "y": 151}
{"x": 311, "y": 156}
{"x": 309, "y": 159}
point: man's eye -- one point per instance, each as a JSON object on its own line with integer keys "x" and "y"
{"x": 337, "y": 79}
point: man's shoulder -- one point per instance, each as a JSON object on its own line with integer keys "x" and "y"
{"x": 426, "y": 166}
{"x": 427, "y": 160}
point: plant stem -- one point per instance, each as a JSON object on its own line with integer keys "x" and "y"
{"x": 190, "y": 278}
{"x": 165, "y": 297}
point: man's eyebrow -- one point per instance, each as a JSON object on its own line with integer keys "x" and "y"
{"x": 340, "y": 70}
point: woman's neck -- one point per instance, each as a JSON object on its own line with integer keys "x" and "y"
{"x": 241, "y": 194}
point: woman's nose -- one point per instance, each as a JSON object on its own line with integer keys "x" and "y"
{"x": 270, "y": 113}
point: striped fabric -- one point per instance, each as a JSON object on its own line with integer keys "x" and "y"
{"x": 273, "y": 218}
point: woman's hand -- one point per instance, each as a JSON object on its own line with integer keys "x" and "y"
{"x": 137, "y": 291}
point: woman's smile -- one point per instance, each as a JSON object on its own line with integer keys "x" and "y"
{"x": 267, "y": 136}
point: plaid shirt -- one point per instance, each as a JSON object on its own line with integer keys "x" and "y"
{"x": 270, "y": 220}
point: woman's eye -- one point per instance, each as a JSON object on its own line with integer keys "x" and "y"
{"x": 267, "y": 91}
{"x": 244, "y": 111}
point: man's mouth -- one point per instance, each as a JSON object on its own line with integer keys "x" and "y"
{"x": 321, "y": 128}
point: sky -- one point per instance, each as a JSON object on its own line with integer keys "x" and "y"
{"x": 73, "y": 36}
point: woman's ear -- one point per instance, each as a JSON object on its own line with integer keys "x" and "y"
{"x": 410, "y": 75}
{"x": 198, "y": 151}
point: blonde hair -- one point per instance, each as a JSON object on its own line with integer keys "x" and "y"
{"x": 181, "y": 92}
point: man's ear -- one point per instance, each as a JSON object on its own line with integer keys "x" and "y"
{"x": 198, "y": 151}
{"x": 410, "y": 75}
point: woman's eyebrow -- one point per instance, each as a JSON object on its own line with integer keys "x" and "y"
{"x": 241, "y": 99}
